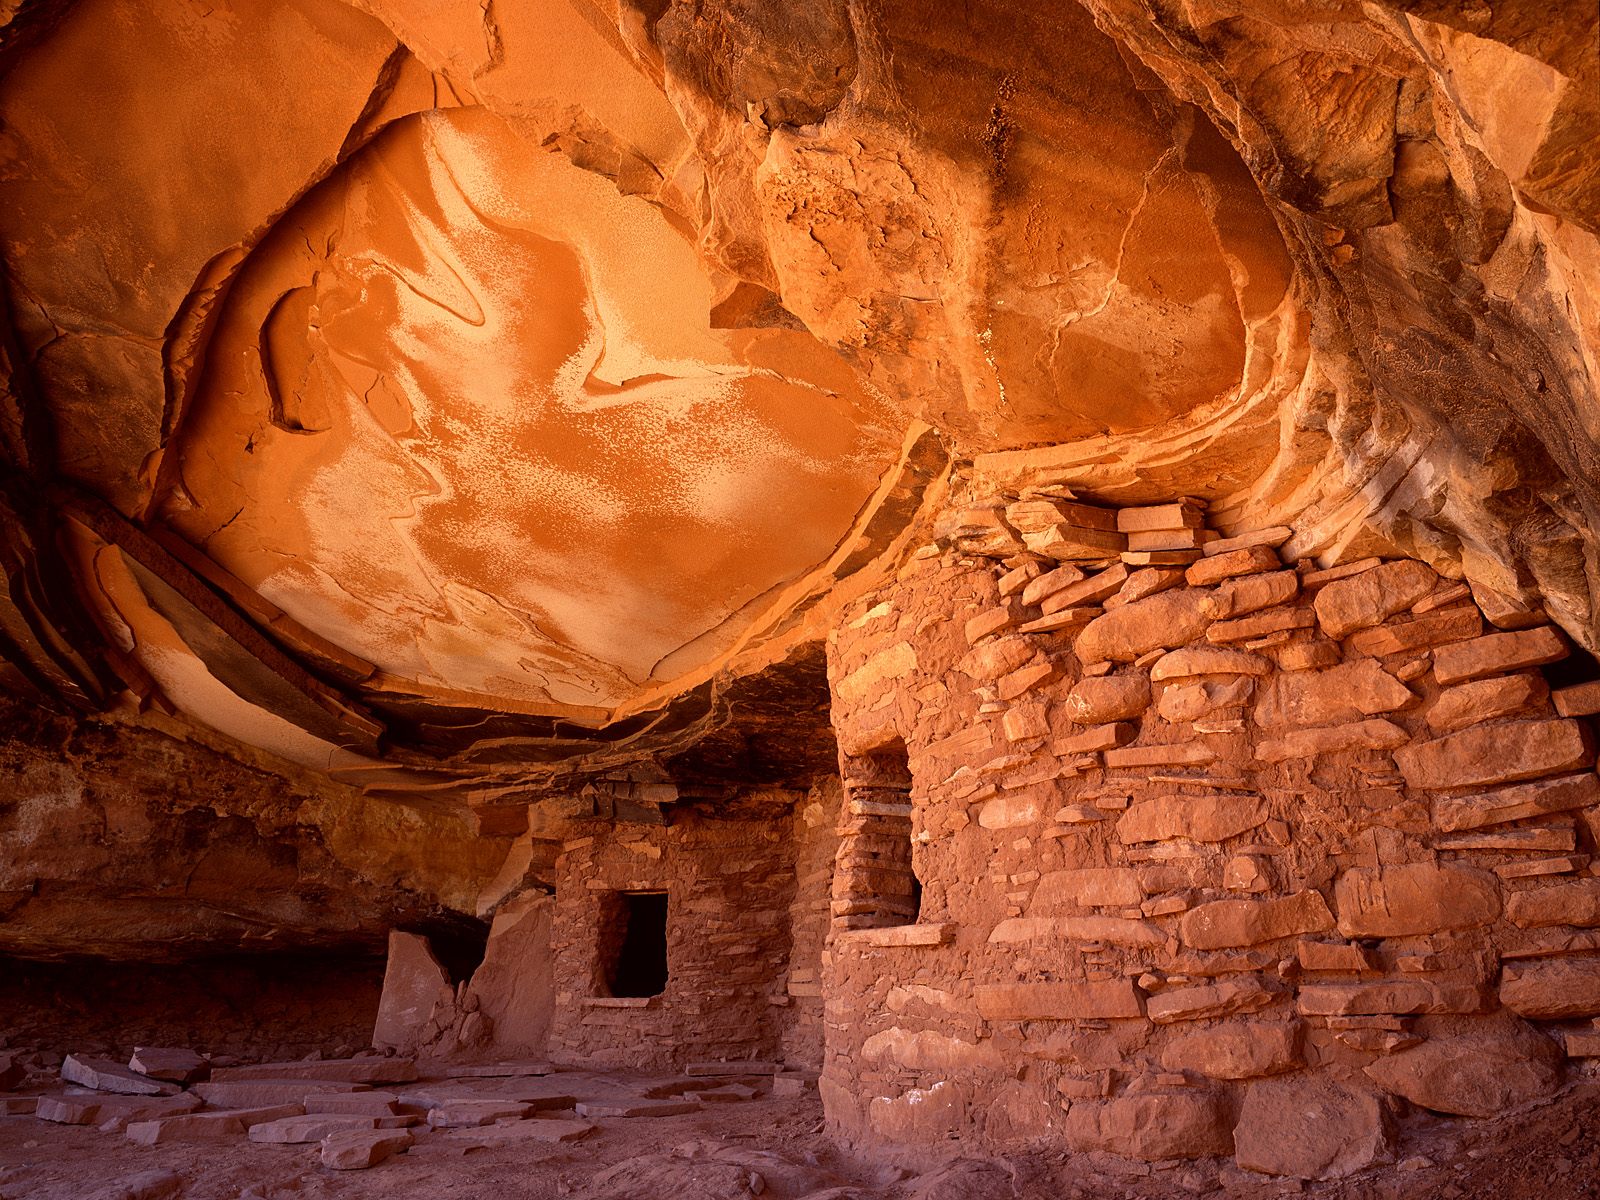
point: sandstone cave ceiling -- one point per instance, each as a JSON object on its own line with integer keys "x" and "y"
{"x": 462, "y": 399}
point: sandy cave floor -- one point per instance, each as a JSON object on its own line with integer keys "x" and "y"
{"x": 775, "y": 1147}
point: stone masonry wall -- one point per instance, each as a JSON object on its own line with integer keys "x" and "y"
{"x": 816, "y": 842}
{"x": 729, "y": 886}
{"x": 1218, "y": 855}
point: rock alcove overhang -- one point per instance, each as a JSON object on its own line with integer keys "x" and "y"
{"x": 518, "y": 402}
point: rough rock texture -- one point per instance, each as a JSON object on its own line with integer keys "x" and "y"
{"x": 1066, "y": 534}
{"x": 748, "y": 279}
{"x": 1170, "y": 896}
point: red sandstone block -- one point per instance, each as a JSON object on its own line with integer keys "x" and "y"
{"x": 1105, "y": 999}
{"x": 1423, "y": 633}
{"x": 1499, "y": 654}
{"x": 1182, "y": 514}
{"x": 1492, "y": 754}
{"x": 1579, "y": 700}
{"x": 1250, "y": 561}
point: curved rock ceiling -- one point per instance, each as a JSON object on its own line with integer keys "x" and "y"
{"x": 456, "y": 395}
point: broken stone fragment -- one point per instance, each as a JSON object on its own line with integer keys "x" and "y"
{"x": 1501, "y": 1065}
{"x": 1414, "y": 898}
{"x": 1312, "y": 1127}
{"x": 358, "y": 1149}
{"x": 1372, "y": 597}
{"x": 1152, "y": 1126}
{"x": 1226, "y": 923}
{"x": 1236, "y": 1050}
{"x": 105, "y": 1076}
{"x": 172, "y": 1065}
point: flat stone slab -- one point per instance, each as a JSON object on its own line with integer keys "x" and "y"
{"x": 373, "y": 1069}
{"x": 101, "y": 1109}
{"x": 103, "y": 1075}
{"x": 732, "y": 1093}
{"x": 361, "y": 1104}
{"x": 307, "y": 1128}
{"x": 171, "y": 1065}
{"x": 18, "y": 1106}
{"x": 207, "y": 1126}
{"x": 256, "y": 1093}
{"x": 636, "y": 1108}
{"x": 543, "y": 1129}
{"x": 505, "y": 1070}
{"x": 453, "y": 1114}
{"x": 738, "y": 1068}
{"x": 358, "y": 1149}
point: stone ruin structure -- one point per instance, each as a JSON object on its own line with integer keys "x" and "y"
{"x": 1007, "y": 583}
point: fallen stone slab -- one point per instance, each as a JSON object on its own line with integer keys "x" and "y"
{"x": 358, "y": 1149}
{"x": 170, "y": 1065}
{"x": 791, "y": 1084}
{"x": 18, "y": 1106}
{"x": 207, "y": 1126}
{"x": 636, "y": 1108}
{"x": 504, "y": 1070}
{"x": 452, "y": 1114}
{"x": 538, "y": 1129}
{"x": 736, "y": 1068}
{"x": 732, "y": 1093}
{"x": 101, "y": 1109}
{"x": 103, "y": 1075}
{"x": 257, "y": 1093}
{"x": 372, "y": 1069}
{"x": 307, "y": 1128}
{"x": 361, "y": 1104}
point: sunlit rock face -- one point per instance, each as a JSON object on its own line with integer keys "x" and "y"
{"x": 496, "y": 378}
{"x": 464, "y": 415}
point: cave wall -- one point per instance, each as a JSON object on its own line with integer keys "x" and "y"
{"x": 1205, "y": 848}
{"x": 149, "y": 839}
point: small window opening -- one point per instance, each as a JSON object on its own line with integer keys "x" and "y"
{"x": 875, "y": 882}
{"x": 633, "y": 944}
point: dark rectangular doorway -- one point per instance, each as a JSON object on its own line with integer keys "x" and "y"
{"x": 637, "y": 941}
